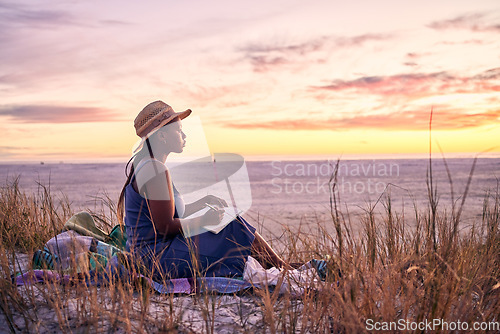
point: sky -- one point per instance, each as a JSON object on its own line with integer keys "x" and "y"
{"x": 266, "y": 78}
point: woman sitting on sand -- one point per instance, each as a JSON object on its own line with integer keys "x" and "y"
{"x": 152, "y": 210}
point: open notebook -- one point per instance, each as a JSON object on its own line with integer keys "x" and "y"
{"x": 229, "y": 215}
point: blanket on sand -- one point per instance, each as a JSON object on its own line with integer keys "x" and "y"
{"x": 85, "y": 253}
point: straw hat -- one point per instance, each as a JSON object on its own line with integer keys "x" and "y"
{"x": 153, "y": 117}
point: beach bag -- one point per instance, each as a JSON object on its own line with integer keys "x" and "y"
{"x": 84, "y": 224}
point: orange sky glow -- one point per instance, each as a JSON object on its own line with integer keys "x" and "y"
{"x": 288, "y": 78}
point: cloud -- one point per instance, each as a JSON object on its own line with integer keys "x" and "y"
{"x": 448, "y": 119}
{"x": 301, "y": 48}
{"x": 491, "y": 74}
{"x": 400, "y": 84}
{"x": 475, "y": 22}
{"x": 413, "y": 58}
{"x": 15, "y": 15}
{"x": 359, "y": 40}
{"x": 465, "y": 42}
{"x": 264, "y": 63}
{"x": 23, "y": 31}
{"x": 18, "y": 21}
{"x": 417, "y": 55}
{"x": 264, "y": 57}
{"x": 16, "y": 152}
{"x": 6, "y": 149}
{"x": 223, "y": 96}
{"x": 118, "y": 23}
{"x": 57, "y": 114}
{"x": 418, "y": 84}
{"x": 314, "y": 44}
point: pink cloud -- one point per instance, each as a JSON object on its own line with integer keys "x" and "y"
{"x": 263, "y": 63}
{"x": 448, "y": 119}
{"x": 475, "y": 22}
{"x": 220, "y": 96}
{"x": 57, "y": 114}
{"x": 417, "y": 84}
{"x": 268, "y": 56}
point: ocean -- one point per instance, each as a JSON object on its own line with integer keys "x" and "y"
{"x": 287, "y": 193}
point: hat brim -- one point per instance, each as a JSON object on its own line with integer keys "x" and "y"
{"x": 180, "y": 115}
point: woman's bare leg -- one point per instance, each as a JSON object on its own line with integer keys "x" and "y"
{"x": 266, "y": 255}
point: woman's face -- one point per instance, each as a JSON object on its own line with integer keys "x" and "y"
{"x": 173, "y": 137}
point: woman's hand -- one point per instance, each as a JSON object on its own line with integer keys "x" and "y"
{"x": 214, "y": 200}
{"x": 202, "y": 203}
{"x": 212, "y": 216}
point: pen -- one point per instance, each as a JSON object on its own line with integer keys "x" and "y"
{"x": 211, "y": 206}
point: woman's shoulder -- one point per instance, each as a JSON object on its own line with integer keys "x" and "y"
{"x": 148, "y": 169}
{"x": 139, "y": 163}
{"x": 149, "y": 165}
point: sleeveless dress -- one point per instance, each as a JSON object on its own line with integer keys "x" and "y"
{"x": 209, "y": 254}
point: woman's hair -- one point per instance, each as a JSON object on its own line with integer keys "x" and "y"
{"x": 144, "y": 151}
{"x": 120, "y": 207}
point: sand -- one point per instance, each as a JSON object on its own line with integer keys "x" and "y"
{"x": 183, "y": 313}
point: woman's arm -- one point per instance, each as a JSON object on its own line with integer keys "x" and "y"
{"x": 159, "y": 195}
{"x": 201, "y": 203}
{"x": 174, "y": 226}
{"x": 157, "y": 190}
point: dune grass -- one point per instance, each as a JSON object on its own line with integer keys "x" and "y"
{"x": 396, "y": 269}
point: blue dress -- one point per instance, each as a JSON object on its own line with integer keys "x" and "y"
{"x": 208, "y": 254}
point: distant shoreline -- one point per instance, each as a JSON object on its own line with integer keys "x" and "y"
{"x": 264, "y": 158}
